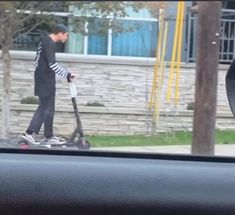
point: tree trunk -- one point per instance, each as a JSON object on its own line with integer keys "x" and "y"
{"x": 206, "y": 78}
{"x": 6, "y": 92}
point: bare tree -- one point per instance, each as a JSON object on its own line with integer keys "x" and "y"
{"x": 12, "y": 20}
{"x": 109, "y": 11}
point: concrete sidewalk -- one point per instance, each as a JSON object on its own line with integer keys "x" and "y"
{"x": 220, "y": 150}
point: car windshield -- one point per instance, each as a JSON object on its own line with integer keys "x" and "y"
{"x": 136, "y": 76}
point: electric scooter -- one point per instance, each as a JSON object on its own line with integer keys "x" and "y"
{"x": 77, "y": 139}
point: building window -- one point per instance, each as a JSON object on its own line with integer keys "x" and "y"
{"x": 29, "y": 41}
{"x": 98, "y": 37}
{"x": 101, "y": 39}
{"x": 141, "y": 42}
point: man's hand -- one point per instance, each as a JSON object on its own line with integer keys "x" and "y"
{"x": 72, "y": 76}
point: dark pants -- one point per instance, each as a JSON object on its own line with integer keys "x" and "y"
{"x": 44, "y": 115}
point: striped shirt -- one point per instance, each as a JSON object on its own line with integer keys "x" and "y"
{"x": 59, "y": 70}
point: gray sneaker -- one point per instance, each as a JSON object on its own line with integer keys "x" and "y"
{"x": 30, "y": 138}
{"x": 54, "y": 141}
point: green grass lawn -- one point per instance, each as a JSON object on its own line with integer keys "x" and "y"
{"x": 162, "y": 139}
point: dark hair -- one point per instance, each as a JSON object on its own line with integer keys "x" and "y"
{"x": 59, "y": 28}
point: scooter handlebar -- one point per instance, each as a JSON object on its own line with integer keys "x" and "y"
{"x": 69, "y": 78}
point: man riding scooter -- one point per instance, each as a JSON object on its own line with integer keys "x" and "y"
{"x": 46, "y": 68}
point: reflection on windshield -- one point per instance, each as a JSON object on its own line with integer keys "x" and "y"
{"x": 116, "y": 76}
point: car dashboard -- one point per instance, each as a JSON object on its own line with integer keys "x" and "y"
{"x": 89, "y": 182}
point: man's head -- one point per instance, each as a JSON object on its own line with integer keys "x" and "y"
{"x": 60, "y": 33}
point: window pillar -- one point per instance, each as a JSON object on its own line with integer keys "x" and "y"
{"x": 86, "y": 39}
{"x": 110, "y": 41}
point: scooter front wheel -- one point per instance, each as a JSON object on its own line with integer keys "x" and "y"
{"x": 84, "y": 144}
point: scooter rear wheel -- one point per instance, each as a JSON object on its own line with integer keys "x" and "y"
{"x": 23, "y": 145}
{"x": 84, "y": 145}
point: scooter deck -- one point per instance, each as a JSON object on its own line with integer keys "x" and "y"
{"x": 24, "y": 144}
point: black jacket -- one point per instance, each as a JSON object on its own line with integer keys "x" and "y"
{"x": 46, "y": 67}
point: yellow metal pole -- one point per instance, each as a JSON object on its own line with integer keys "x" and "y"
{"x": 179, "y": 53}
{"x": 171, "y": 74}
{"x": 164, "y": 49}
{"x": 157, "y": 108}
{"x": 153, "y": 91}
{"x": 159, "y": 51}
{"x": 153, "y": 85}
{"x": 158, "y": 54}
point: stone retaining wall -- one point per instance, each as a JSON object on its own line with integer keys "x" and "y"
{"x": 114, "y": 121}
{"x": 121, "y": 84}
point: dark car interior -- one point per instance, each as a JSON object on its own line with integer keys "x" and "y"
{"x": 113, "y": 183}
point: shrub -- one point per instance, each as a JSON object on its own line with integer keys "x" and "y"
{"x": 95, "y": 104}
{"x": 29, "y": 100}
{"x": 191, "y": 106}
